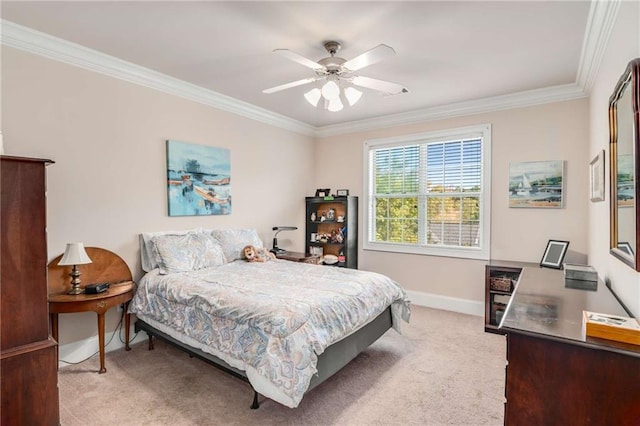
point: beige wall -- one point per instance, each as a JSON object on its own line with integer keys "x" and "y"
{"x": 623, "y": 46}
{"x": 548, "y": 132}
{"x": 108, "y": 140}
{"x": 108, "y": 184}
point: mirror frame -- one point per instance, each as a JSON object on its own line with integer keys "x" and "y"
{"x": 630, "y": 80}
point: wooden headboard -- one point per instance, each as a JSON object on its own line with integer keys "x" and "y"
{"x": 107, "y": 267}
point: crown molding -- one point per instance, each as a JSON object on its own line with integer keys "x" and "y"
{"x": 528, "y": 98}
{"x": 602, "y": 17}
{"x": 39, "y": 43}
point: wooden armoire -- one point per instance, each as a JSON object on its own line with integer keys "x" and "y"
{"x": 28, "y": 358}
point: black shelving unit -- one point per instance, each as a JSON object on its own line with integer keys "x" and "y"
{"x": 334, "y": 223}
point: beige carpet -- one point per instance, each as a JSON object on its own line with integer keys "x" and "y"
{"x": 443, "y": 370}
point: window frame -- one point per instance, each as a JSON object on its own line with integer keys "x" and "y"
{"x": 478, "y": 131}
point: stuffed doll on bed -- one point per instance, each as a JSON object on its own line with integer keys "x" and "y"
{"x": 253, "y": 254}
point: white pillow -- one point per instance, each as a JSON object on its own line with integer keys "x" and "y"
{"x": 147, "y": 255}
{"x": 234, "y": 240}
{"x": 184, "y": 253}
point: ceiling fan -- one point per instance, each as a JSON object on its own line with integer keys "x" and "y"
{"x": 339, "y": 76}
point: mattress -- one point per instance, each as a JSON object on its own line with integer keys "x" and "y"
{"x": 270, "y": 320}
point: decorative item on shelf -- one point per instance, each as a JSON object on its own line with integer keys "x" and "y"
{"x": 604, "y": 326}
{"x": 330, "y": 259}
{"x": 340, "y": 219}
{"x": 75, "y": 255}
{"x": 316, "y": 251}
{"x": 341, "y": 257}
{"x": 554, "y": 254}
{"x": 313, "y": 217}
{"x": 314, "y": 237}
{"x": 331, "y": 214}
{"x": 323, "y": 192}
{"x": 342, "y": 192}
{"x": 279, "y": 229}
{"x": 500, "y": 284}
{"x": 581, "y": 277}
{"x": 323, "y": 217}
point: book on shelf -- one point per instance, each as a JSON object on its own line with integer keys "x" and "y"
{"x": 611, "y": 327}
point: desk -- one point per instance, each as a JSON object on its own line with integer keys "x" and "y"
{"x": 106, "y": 267}
{"x": 299, "y": 257}
{"x": 99, "y": 303}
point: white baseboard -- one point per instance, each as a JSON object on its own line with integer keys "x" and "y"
{"x": 76, "y": 352}
{"x": 437, "y": 301}
{"x": 82, "y": 349}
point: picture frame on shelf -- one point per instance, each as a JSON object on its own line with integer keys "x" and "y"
{"x": 554, "y": 254}
{"x": 596, "y": 173}
{"x": 342, "y": 192}
{"x": 323, "y": 192}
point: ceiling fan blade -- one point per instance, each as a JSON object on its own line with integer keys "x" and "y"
{"x": 380, "y": 85}
{"x": 298, "y": 58}
{"x": 378, "y": 53}
{"x": 290, "y": 85}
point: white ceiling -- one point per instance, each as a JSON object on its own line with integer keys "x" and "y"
{"x": 448, "y": 52}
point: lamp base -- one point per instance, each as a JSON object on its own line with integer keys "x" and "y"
{"x": 75, "y": 281}
{"x": 76, "y": 290}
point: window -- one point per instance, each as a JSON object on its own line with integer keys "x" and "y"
{"x": 429, "y": 193}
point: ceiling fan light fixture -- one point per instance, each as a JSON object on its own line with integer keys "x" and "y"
{"x": 335, "y": 105}
{"x": 331, "y": 91}
{"x": 313, "y": 96}
{"x": 352, "y": 95}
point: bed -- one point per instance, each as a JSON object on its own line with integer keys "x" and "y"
{"x": 282, "y": 326}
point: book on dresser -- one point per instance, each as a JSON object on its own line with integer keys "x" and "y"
{"x": 611, "y": 327}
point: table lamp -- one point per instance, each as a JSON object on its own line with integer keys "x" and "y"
{"x": 279, "y": 229}
{"x": 75, "y": 255}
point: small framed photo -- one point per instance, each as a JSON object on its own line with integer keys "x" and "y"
{"x": 342, "y": 192}
{"x": 626, "y": 248}
{"x": 596, "y": 173}
{"x": 554, "y": 254}
{"x": 323, "y": 192}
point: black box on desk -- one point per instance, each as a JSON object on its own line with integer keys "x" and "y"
{"x": 582, "y": 277}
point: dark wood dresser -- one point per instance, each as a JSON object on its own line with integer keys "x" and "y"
{"x": 557, "y": 376}
{"x": 29, "y": 371}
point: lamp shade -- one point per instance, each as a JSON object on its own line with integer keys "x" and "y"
{"x": 352, "y": 95}
{"x": 74, "y": 254}
{"x": 313, "y": 96}
{"x": 331, "y": 90}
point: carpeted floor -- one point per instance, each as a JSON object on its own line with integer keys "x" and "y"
{"x": 443, "y": 370}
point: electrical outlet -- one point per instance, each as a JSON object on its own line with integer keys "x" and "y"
{"x": 120, "y": 307}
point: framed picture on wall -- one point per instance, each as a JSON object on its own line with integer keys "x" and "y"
{"x": 596, "y": 173}
{"x": 554, "y": 254}
{"x": 198, "y": 179}
{"x": 536, "y": 184}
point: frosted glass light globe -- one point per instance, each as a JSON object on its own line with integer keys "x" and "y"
{"x": 331, "y": 91}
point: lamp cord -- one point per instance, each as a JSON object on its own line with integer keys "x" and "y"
{"x": 118, "y": 329}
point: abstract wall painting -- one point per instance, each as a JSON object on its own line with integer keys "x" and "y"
{"x": 198, "y": 179}
{"x": 536, "y": 184}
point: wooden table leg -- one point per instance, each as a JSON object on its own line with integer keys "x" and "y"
{"x": 101, "y": 342}
{"x": 127, "y": 325}
{"x": 54, "y": 334}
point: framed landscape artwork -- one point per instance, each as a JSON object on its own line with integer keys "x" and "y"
{"x": 198, "y": 179}
{"x": 536, "y": 184}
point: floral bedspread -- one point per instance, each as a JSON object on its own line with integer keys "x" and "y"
{"x": 272, "y": 318}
